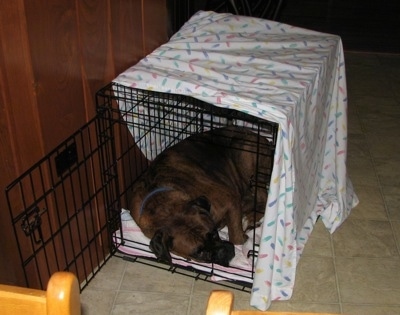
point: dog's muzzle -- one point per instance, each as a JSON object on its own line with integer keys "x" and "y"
{"x": 220, "y": 252}
{"x": 223, "y": 253}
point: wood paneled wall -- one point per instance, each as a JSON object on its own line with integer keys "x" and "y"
{"x": 54, "y": 56}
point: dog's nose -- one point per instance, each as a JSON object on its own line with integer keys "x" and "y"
{"x": 224, "y": 254}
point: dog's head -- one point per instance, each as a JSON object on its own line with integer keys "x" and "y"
{"x": 192, "y": 235}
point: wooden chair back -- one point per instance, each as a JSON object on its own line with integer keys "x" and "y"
{"x": 62, "y": 297}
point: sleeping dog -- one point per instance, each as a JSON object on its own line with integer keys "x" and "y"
{"x": 198, "y": 186}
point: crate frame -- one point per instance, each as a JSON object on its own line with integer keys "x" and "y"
{"x": 127, "y": 113}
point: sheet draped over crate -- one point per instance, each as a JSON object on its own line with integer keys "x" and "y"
{"x": 292, "y": 76}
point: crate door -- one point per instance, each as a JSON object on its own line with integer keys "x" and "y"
{"x": 58, "y": 210}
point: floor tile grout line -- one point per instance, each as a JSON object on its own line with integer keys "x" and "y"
{"x": 373, "y": 160}
{"x": 191, "y": 298}
{"x": 397, "y": 241}
{"x": 336, "y": 273}
{"x": 119, "y": 286}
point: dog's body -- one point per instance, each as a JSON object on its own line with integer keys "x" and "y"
{"x": 196, "y": 187}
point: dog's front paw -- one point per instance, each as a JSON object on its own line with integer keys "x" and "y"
{"x": 239, "y": 238}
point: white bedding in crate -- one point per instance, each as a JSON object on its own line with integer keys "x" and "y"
{"x": 284, "y": 74}
{"x": 240, "y": 267}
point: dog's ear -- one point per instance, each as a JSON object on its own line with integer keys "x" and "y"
{"x": 202, "y": 202}
{"x": 160, "y": 245}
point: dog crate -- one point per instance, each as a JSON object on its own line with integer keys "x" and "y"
{"x": 141, "y": 124}
{"x": 68, "y": 211}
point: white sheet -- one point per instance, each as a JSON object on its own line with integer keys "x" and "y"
{"x": 284, "y": 74}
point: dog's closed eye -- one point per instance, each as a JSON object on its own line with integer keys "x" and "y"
{"x": 202, "y": 254}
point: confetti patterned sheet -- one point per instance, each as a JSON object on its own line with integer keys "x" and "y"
{"x": 284, "y": 74}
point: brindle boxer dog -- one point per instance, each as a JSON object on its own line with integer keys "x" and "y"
{"x": 195, "y": 188}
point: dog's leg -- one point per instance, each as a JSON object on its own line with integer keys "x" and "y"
{"x": 236, "y": 234}
{"x": 234, "y": 222}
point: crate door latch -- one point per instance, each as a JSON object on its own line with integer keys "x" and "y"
{"x": 31, "y": 225}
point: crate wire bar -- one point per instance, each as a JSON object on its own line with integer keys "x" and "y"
{"x": 144, "y": 123}
{"x": 58, "y": 210}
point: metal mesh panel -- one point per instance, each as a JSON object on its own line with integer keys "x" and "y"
{"x": 144, "y": 123}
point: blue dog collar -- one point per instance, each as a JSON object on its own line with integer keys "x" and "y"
{"x": 151, "y": 194}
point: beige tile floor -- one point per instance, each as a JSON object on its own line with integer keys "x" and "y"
{"x": 354, "y": 271}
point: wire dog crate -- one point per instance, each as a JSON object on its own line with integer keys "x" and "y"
{"x": 141, "y": 125}
{"x": 66, "y": 209}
